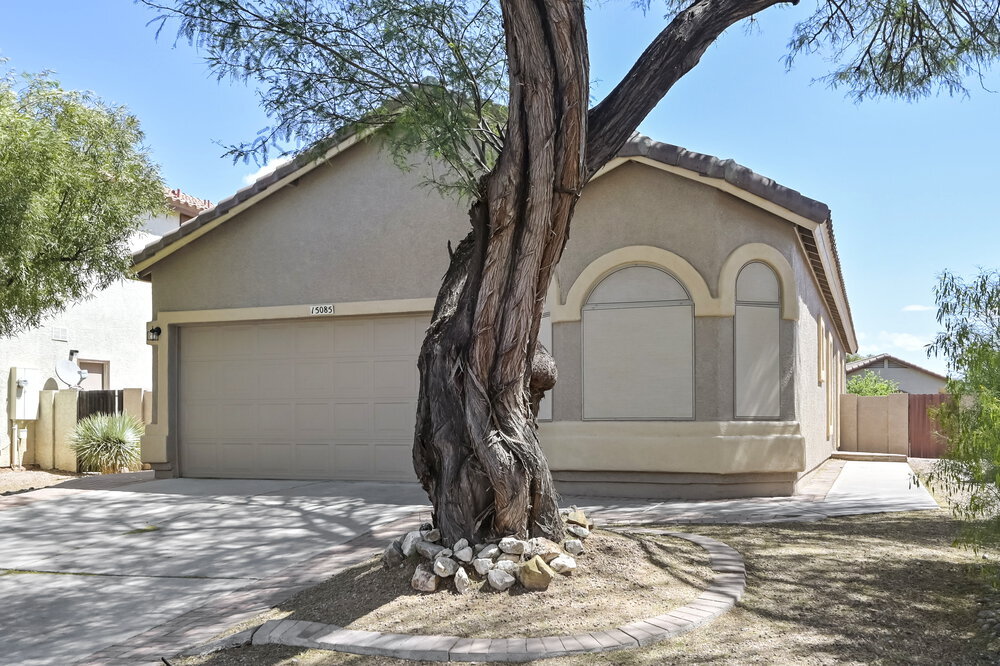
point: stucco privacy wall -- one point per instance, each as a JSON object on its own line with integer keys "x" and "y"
{"x": 910, "y": 380}
{"x": 357, "y": 231}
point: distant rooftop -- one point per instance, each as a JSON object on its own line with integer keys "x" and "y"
{"x": 185, "y": 203}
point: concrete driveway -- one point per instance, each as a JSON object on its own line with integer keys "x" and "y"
{"x": 82, "y": 570}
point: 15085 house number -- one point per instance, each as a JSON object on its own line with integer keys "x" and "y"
{"x": 320, "y": 309}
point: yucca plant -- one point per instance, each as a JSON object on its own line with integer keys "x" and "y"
{"x": 108, "y": 443}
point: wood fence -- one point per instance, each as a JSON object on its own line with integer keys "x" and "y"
{"x": 897, "y": 423}
{"x": 99, "y": 402}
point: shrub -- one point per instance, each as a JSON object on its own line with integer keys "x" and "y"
{"x": 108, "y": 443}
{"x": 871, "y": 383}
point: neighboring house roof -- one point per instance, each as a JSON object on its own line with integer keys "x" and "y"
{"x": 185, "y": 203}
{"x": 877, "y": 360}
{"x": 811, "y": 217}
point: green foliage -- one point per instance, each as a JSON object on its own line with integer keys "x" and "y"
{"x": 970, "y": 469}
{"x": 871, "y": 383}
{"x": 435, "y": 70}
{"x": 108, "y": 443}
{"x": 75, "y": 184}
{"x": 852, "y": 358}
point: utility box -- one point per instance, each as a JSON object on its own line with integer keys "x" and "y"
{"x": 25, "y": 383}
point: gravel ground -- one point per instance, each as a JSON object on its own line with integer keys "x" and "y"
{"x": 884, "y": 588}
{"x": 13, "y": 481}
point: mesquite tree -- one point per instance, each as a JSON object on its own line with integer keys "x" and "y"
{"x": 498, "y": 92}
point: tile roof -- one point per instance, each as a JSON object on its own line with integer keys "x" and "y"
{"x": 185, "y": 203}
{"x": 638, "y": 145}
{"x": 854, "y": 366}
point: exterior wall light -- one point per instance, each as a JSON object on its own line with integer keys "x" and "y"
{"x": 153, "y": 334}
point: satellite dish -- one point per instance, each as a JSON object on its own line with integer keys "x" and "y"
{"x": 70, "y": 373}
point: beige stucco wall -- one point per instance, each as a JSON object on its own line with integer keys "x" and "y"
{"x": 811, "y": 395}
{"x": 359, "y": 230}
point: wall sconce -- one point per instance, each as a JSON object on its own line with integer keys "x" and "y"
{"x": 153, "y": 334}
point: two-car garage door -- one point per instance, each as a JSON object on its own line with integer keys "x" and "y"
{"x": 330, "y": 398}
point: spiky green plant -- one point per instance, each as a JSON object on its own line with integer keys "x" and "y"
{"x": 108, "y": 443}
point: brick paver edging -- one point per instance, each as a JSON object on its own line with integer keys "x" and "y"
{"x": 725, "y": 590}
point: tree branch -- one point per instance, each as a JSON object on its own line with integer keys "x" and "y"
{"x": 671, "y": 55}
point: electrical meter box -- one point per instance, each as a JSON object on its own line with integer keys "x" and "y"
{"x": 25, "y": 383}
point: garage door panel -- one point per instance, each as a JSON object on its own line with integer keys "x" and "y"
{"x": 200, "y": 343}
{"x": 235, "y": 379}
{"x": 274, "y": 456}
{"x": 313, "y": 378}
{"x": 238, "y": 419}
{"x": 300, "y": 399}
{"x": 313, "y": 460}
{"x": 351, "y": 338}
{"x": 312, "y": 421}
{"x": 351, "y": 378}
{"x": 201, "y": 456}
{"x": 197, "y": 380}
{"x": 237, "y": 457}
{"x": 394, "y": 418}
{"x": 352, "y": 419}
{"x": 313, "y": 339}
{"x": 274, "y": 339}
{"x": 353, "y": 459}
{"x": 393, "y": 459}
{"x": 394, "y": 377}
{"x": 393, "y": 336}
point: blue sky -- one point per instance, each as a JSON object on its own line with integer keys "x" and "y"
{"x": 912, "y": 186}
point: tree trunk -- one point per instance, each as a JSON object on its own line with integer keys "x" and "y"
{"x": 476, "y": 450}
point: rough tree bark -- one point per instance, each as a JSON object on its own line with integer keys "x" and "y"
{"x": 476, "y": 450}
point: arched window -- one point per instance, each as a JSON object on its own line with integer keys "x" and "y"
{"x": 638, "y": 347}
{"x": 758, "y": 370}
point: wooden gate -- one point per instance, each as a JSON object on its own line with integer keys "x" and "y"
{"x": 99, "y": 402}
{"x": 924, "y": 439}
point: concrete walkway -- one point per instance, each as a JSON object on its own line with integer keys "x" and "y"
{"x": 861, "y": 487}
{"x": 155, "y": 567}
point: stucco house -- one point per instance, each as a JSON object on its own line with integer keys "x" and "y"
{"x": 698, "y": 318}
{"x": 108, "y": 330}
{"x": 911, "y": 377}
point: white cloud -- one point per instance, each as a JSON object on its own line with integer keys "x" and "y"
{"x": 250, "y": 178}
{"x": 888, "y": 342}
{"x": 918, "y": 308}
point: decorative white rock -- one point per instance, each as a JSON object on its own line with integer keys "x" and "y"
{"x": 510, "y": 557}
{"x": 500, "y": 580}
{"x": 462, "y": 583}
{"x": 482, "y": 565}
{"x": 546, "y": 549}
{"x": 445, "y": 553}
{"x": 409, "y": 544}
{"x": 490, "y": 551}
{"x": 445, "y": 567}
{"x": 424, "y": 579}
{"x": 432, "y": 535}
{"x": 513, "y": 546}
{"x": 506, "y": 566}
{"x": 578, "y": 532}
{"x": 563, "y": 564}
{"x": 573, "y": 546}
{"x": 428, "y": 549}
{"x": 464, "y": 554}
{"x": 460, "y": 544}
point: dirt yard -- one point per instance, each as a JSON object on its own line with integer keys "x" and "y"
{"x": 13, "y": 481}
{"x": 884, "y": 588}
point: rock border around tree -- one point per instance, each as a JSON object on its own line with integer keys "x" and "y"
{"x": 725, "y": 590}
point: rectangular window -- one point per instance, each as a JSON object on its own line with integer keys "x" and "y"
{"x": 757, "y": 362}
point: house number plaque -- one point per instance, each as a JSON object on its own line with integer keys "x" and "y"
{"x": 320, "y": 309}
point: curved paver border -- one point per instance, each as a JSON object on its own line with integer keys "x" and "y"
{"x": 725, "y": 590}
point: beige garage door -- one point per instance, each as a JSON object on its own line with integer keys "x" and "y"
{"x": 313, "y": 399}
